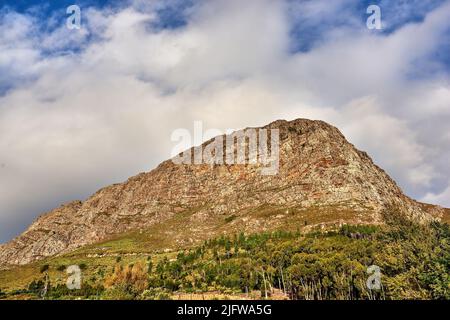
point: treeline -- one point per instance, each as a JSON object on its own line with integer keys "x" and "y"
{"x": 414, "y": 261}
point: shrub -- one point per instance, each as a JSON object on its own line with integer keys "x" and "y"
{"x": 156, "y": 294}
{"x": 230, "y": 218}
{"x": 83, "y": 266}
{"x": 132, "y": 279}
{"x": 61, "y": 268}
{"x": 44, "y": 268}
{"x": 36, "y": 286}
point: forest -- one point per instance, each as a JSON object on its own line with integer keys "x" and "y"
{"x": 413, "y": 259}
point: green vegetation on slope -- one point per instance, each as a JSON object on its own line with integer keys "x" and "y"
{"x": 414, "y": 261}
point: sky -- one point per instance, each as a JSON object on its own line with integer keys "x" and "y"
{"x": 84, "y": 108}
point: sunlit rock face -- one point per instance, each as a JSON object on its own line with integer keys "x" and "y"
{"x": 321, "y": 180}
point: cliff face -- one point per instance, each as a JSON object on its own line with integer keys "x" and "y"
{"x": 319, "y": 171}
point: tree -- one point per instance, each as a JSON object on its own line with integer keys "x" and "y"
{"x": 132, "y": 279}
{"x": 44, "y": 268}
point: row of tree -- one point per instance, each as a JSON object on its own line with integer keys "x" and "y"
{"x": 413, "y": 259}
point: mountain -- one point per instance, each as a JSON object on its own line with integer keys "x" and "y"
{"x": 322, "y": 181}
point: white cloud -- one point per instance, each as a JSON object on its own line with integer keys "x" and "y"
{"x": 443, "y": 197}
{"x": 80, "y": 121}
{"x": 393, "y": 143}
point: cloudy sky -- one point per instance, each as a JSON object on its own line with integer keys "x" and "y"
{"x": 81, "y": 109}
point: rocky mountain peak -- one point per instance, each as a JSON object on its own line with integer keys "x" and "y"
{"x": 321, "y": 181}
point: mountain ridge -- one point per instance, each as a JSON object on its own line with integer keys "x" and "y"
{"x": 323, "y": 180}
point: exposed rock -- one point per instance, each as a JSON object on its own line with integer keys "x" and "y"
{"x": 318, "y": 168}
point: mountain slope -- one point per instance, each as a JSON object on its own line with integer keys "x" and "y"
{"x": 322, "y": 180}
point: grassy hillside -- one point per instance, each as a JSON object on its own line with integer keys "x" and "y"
{"x": 414, "y": 261}
{"x": 158, "y": 242}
